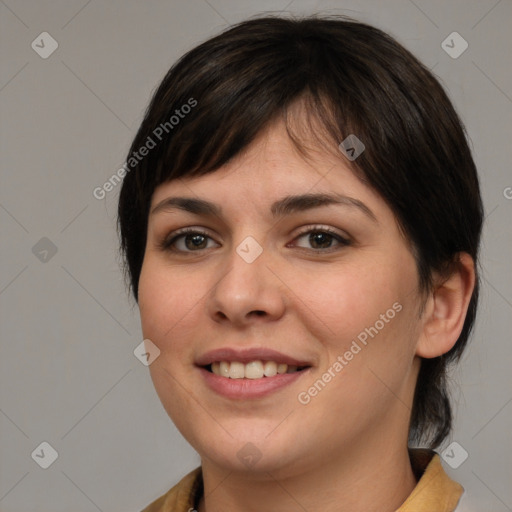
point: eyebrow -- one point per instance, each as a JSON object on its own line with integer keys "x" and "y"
{"x": 285, "y": 206}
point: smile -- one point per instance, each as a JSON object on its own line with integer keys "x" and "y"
{"x": 251, "y": 370}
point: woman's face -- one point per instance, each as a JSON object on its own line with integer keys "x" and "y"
{"x": 270, "y": 277}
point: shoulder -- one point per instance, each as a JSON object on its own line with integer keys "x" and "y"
{"x": 182, "y": 497}
{"x": 435, "y": 490}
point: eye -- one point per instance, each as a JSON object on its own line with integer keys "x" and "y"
{"x": 186, "y": 240}
{"x": 321, "y": 238}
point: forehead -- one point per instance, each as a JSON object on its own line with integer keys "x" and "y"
{"x": 271, "y": 180}
{"x": 270, "y": 167}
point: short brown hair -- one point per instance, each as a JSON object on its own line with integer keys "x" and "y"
{"x": 354, "y": 79}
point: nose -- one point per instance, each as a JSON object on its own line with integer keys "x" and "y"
{"x": 248, "y": 292}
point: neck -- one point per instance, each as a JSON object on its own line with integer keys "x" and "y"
{"x": 343, "y": 484}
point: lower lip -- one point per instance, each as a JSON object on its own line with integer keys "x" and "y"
{"x": 243, "y": 389}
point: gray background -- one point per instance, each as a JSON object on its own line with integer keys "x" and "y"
{"x": 68, "y": 375}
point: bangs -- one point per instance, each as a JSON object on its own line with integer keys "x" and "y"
{"x": 232, "y": 112}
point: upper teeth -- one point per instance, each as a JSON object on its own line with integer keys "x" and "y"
{"x": 252, "y": 370}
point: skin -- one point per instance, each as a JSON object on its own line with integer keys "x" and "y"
{"x": 346, "y": 450}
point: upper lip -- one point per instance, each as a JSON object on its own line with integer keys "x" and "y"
{"x": 247, "y": 355}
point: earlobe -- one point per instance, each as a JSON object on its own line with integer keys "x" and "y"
{"x": 446, "y": 308}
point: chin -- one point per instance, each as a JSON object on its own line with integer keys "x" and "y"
{"x": 256, "y": 452}
{"x": 249, "y": 459}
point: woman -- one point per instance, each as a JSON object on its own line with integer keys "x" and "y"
{"x": 301, "y": 228}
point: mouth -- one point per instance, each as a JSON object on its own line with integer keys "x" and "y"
{"x": 249, "y": 373}
{"x": 253, "y": 370}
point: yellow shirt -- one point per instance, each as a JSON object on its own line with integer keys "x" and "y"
{"x": 434, "y": 492}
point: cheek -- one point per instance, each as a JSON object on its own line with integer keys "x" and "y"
{"x": 357, "y": 298}
{"x": 367, "y": 315}
{"x": 376, "y": 335}
{"x": 168, "y": 300}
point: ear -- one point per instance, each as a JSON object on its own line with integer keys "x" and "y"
{"x": 445, "y": 310}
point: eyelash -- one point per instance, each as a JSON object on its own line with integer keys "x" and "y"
{"x": 168, "y": 242}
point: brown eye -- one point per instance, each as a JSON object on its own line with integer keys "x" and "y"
{"x": 321, "y": 239}
{"x": 196, "y": 241}
{"x": 187, "y": 241}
